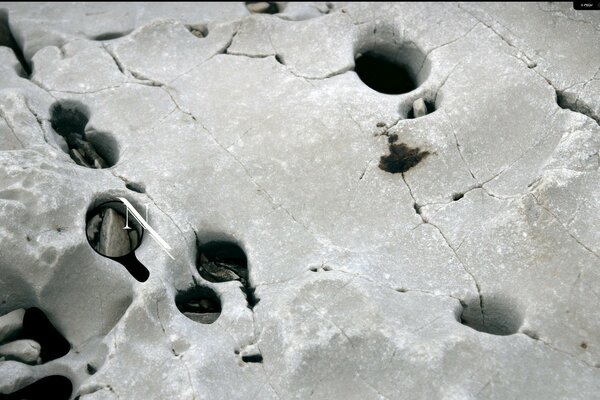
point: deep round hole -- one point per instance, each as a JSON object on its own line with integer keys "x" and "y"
{"x": 497, "y": 315}
{"x": 93, "y": 150}
{"x": 56, "y": 387}
{"x": 112, "y": 231}
{"x": 200, "y": 304}
{"x": 383, "y": 74}
{"x": 262, "y": 7}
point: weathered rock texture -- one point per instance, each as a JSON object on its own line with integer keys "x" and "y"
{"x": 472, "y": 274}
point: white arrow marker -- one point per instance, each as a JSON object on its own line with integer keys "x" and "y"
{"x": 143, "y": 222}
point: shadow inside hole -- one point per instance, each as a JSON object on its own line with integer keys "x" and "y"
{"x": 55, "y": 387}
{"x": 114, "y": 233}
{"x": 496, "y": 315}
{"x": 222, "y": 261}
{"x": 96, "y": 150}
{"x": 383, "y": 74}
{"x": 200, "y": 304}
{"x": 262, "y": 7}
{"x": 37, "y": 327}
{"x": 110, "y": 35}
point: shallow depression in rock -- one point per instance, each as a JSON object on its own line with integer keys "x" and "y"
{"x": 88, "y": 149}
{"x": 496, "y": 314}
{"x": 200, "y": 304}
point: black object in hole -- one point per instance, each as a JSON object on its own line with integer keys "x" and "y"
{"x": 253, "y": 358}
{"x": 383, "y": 75}
{"x": 200, "y": 304}
{"x": 36, "y": 326}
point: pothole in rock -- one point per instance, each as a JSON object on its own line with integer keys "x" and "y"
{"x": 29, "y": 337}
{"x": 384, "y": 71}
{"x": 496, "y": 315}
{"x": 200, "y": 31}
{"x": 55, "y": 387}
{"x": 7, "y": 39}
{"x": 94, "y": 150}
{"x": 113, "y": 232}
{"x": 222, "y": 261}
{"x": 263, "y": 7}
{"x": 401, "y": 157}
{"x": 200, "y": 304}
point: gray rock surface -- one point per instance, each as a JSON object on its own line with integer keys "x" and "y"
{"x": 473, "y": 274}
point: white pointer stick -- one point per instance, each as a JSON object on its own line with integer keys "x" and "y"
{"x": 143, "y": 222}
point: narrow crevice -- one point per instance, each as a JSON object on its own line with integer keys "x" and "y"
{"x": 7, "y": 39}
{"x": 110, "y": 35}
{"x": 575, "y": 105}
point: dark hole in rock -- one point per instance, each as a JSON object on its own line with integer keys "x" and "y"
{"x": 252, "y": 358}
{"x": 90, "y": 369}
{"x": 583, "y": 345}
{"x": 136, "y": 187}
{"x": 53, "y": 387}
{"x": 110, "y": 35}
{"x": 113, "y": 232}
{"x": 401, "y": 158}
{"x": 200, "y": 31}
{"x": 279, "y": 59}
{"x": 221, "y": 261}
{"x": 7, "y": 39}
{"x": 382, "y": 74}
{"x": 497, "y": 315}
{"x": 457, "y": 196}
{"x": 200, "y": 304}
{"x": 417, "y": 208}
{"x": 262, "y": 7}
{"x": 37, "y": 327}
{"x": 421, "y": 108}
{"x": 97, "y": 150}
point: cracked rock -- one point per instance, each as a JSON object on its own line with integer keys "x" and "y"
{"x": 323, "y": 240}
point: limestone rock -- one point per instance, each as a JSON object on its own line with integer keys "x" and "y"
{"x": 378, "y": 256}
